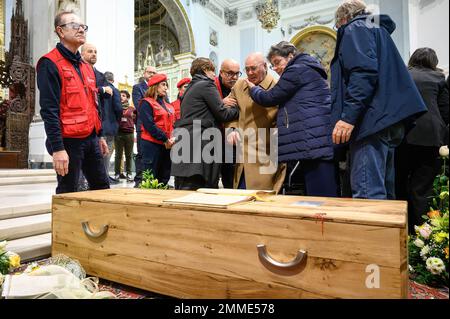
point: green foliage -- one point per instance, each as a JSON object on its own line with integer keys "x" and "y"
{"x": 150, "y": 182}
{"x": 4, "y": 264}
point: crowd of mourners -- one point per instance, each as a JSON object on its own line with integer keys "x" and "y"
{"x": 372, "y": 131}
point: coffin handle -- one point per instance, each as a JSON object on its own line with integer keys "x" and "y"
{"x": 91, "y": 234}
{"x": 262, "y": 251}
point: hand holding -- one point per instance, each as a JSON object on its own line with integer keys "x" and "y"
{"x": 233, "y": 138}
{"x": 250, "y": 84}
{"x": 108, "y": 90}
{"x": 229, "y": 102}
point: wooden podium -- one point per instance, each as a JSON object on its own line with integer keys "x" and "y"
{"x": 9, "y": 160}
{"x": 282, "y": 247}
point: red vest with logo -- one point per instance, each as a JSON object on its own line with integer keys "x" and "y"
{"x": 79, "y": 114}
{"x": 163, "y": 120}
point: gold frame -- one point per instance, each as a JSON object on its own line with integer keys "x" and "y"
{"x": 313, "y": 29}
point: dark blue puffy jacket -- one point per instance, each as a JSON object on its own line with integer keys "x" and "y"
{"x": 304, "y": 116}
{"x": 371, "y": 86}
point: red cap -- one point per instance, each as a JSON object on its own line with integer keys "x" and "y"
{"x": 183, "y": 82}
{"x": 156, "y": 79}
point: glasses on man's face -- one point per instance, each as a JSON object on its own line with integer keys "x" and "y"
{"x": 75, "y": 26}
{"x": 233, "y": 74}
{"x": 253, "y": 68}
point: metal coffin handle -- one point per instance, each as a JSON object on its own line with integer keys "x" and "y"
{"x": 91, "y": 234}
{"x": 262, "y": 251}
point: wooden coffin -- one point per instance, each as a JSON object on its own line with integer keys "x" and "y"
{"x": 290, "y": 247}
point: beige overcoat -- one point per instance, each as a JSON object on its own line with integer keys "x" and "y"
{"x": 254, "y": 116}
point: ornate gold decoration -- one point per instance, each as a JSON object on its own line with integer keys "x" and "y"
{"x": 318, "y": 41}
{"x": 268, "y": 15}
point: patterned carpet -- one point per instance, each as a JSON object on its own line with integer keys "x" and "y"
{"x": 416, "y": 290}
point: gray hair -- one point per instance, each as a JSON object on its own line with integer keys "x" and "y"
{"x": 59, "y": 17}
{"x": 109, "y": 76}
{"x": 282, "y": 49}
{"x": 349, "y": 9}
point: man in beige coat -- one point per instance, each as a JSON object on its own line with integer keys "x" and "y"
{"x": 251, "y": 174}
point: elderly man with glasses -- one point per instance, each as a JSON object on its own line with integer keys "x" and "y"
{"x": 69, "y": 108}
{"x": 250, "y": 174}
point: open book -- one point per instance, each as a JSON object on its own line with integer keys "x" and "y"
{"x": 219, "y": 198}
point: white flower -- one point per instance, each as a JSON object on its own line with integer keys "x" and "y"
{"x": 411, "y": 269}
{"x": 419, "y": 243}
{"x": 435, "y": 265}
{"x": 2, "y": 246}
{"x": 443, "y": 151}
{"x": 424, "y": 252}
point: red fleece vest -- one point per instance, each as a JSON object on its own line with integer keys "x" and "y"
{"x": 164, "y": 120}
{"x": 79, "y": 114}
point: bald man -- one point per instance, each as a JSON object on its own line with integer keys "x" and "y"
{"x": 254, "y": 117}
{"x": 89, "y": 55}
{"x": 228, "y": 76}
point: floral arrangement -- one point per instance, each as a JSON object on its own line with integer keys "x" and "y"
{"x": 428, "y": 249}
{"x": 8, "y": 261}
{"x": 150, "y": 182}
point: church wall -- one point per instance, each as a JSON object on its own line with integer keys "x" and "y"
{"x": 111, "y": 25}
{"x": 429, "y": 27}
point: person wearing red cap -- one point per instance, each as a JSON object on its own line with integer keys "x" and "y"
{"x": 157, "y": 119}
{"x": 182, "y": 86}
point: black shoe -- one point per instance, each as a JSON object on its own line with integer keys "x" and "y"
{"x": 113, "y": 181}
{"x": 83, "y": 187}
{"x": 129, "y": 179}
{"x": 122, "y": 176}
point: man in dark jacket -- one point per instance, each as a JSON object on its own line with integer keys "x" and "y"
{"x": 72, "y": 125}
{"x": 229, "y": 74}
{"x": 373, "y": 96}
{"x": 111, "y": 117}
{"x": 137, "y": 95}
{"x": 89, "y": 55}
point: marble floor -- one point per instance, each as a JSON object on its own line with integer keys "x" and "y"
{"x": 34, "y": 194}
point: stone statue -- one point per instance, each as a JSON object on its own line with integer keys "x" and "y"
{"x": 149, "y": 57}
{"x": 164, "y": 56}
{"x": 69, "y": 5}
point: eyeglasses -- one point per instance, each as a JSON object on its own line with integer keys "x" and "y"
{"x": 76, "y": 26}
{"x": 232, "y": 74}
{"x": 253, "y": 68}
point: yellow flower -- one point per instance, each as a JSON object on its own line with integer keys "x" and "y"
{"x": 434, "y": 214}
{"x": 14, "y": 260}
{"x": 440, "y": 237}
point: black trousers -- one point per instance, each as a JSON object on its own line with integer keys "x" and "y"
{"x": 138, "y": 160}
{"x": 156, "y": 158}
{"x": 84, "y": 156}
{"x": 416, "y": 168}
{"x": 191, "y": 183}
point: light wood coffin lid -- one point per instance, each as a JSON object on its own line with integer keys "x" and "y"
{"x": 350, "y": 211}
